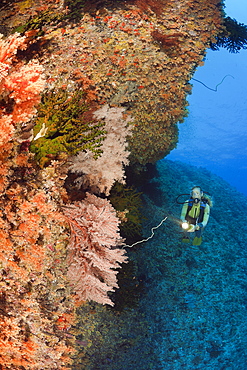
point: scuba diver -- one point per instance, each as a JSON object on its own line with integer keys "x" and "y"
{"x": 194, "y": 215}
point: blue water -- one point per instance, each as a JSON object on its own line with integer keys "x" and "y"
{"x": 214, "y": 135}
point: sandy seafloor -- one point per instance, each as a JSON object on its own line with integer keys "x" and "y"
{"x": 196, "y": 301}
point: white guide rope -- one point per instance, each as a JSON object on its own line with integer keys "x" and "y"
{"x": 145, "y": 240}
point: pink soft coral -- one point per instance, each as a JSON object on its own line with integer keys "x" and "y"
{"x": 92, "y": 253}
{"x": 102, "y": 173}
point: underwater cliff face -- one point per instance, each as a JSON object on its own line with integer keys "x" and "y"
{"x": 136, "y": 55}
{"x": 87, "y": 87}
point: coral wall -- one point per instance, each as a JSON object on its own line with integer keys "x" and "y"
{"x": 30, "y": 226}
{"x": 142, "y": 58}
{"x": 131, "y": 62}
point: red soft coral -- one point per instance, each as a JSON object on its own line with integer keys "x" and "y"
{"x": 20, "y": 86}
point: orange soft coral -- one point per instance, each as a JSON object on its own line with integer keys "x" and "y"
{"x": 20, "y": 88}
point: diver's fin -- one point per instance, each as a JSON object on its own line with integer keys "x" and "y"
{"x": 197, "y": 241}
{"x": 186, "y": 239}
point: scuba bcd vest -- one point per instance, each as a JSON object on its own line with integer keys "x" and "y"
{"x": 199, "y": 218}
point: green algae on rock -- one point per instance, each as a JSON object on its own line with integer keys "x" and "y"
{"x": 62, "y": 126}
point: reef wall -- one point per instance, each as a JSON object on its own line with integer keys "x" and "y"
{"x": 87, "y": 89}
{"x": 131, "y": 54}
